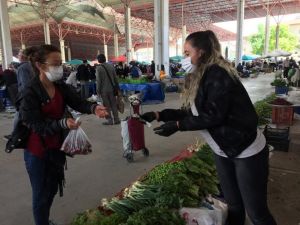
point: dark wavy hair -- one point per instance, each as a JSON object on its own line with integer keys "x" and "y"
{"x": 41, "y": 54}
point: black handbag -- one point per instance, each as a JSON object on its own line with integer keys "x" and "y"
{"x": 19, "y": 137}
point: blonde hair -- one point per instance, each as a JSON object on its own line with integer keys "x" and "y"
{"x": 208, "y": 42}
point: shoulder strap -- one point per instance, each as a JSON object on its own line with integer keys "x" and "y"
{"x": 110, "y": 80}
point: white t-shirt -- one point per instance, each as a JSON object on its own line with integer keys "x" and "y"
{"x": 256, "y": 147}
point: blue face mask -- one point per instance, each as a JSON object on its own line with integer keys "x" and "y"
{"x": 187, "y": 65}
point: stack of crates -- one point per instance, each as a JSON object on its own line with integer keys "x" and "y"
{"x": 282, "y": 115}
{"x": 279, "y": 138}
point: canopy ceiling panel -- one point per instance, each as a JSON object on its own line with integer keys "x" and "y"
{"x": 197, "y": 12}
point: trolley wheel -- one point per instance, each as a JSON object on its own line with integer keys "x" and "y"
{"x": 129, "y": 157}
{"x": 146, "y": 152}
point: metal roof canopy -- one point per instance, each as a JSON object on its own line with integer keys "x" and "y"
{"x": 200, "y": 14}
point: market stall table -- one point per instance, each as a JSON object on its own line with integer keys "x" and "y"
{"x": 151, "y": 92}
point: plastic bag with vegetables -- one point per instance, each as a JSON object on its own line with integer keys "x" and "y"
{"x": 77, "y": 142}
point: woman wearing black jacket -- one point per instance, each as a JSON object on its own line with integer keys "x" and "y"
{"x": 219, "y": 106}
{"x": 42, "y": 108}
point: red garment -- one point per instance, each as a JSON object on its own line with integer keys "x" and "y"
{"x": 53, "y": 110}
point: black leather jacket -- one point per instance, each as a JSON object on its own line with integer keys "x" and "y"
{"x": 224, "y": 109}
{"x": 35, "y": 96}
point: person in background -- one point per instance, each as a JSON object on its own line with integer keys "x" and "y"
{"x": 240, "y": 68}
{"x": 152, "y": 68}
{"x": 126, "y": 70}
{"x": 286, "y": 67}
{"x": 218, "y": 105}
{"x": 71, "y": 80}
{"x": 83, "y": 76}
{"x": 42, "y": 110}
{"x": 120, "y": 70}
{"x": 135, "y": 71}
{"x": 11, "y": 83}
{"x": 107, "y": 84}
{"x": 25, "y": 71}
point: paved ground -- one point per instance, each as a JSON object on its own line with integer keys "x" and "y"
{"x": 105, "y": 172}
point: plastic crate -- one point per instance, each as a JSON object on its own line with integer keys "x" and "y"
{"x": 281, "y": 90}
{"x": 278, "y": 138}
{"x": 277, "y": 133}
{"x": 282, "y": 145}
{"x": 297, "y": 110}
{"x": 282, "y": 115}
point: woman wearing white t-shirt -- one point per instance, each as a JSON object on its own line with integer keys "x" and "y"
{"x": 221, "y": 109}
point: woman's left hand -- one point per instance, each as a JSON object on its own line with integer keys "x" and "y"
{"x": 167, "y": 129}
{"x": 101, "y": 111}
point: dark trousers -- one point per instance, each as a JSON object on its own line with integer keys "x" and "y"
{"x": 244, "y": 184}
{"x": 286, "y": 72}
{"x": 43, "y": 188}
{"x": 85, "y": 89}
{"x": 110, "y": 102}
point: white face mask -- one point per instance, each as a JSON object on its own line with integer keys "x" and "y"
{"x": 187, "y": 65}
{"x": 55, "y": 73}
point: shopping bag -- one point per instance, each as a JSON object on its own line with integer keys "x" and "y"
{"x": 215, "y": 215}
{"x": 120, "y": 103}
{"x": 125, "y": 135}
{"x": 77, "y": 143}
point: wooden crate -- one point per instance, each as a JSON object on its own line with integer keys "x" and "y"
{"x": 282, "y": 115}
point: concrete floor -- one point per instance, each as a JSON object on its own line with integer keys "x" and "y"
{"x": 104, "y": 172}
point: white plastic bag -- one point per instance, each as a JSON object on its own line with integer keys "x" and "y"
{"x": 125, "y": 135}
{"x": 77, "y": 143}
{"x": 205, "y": 216}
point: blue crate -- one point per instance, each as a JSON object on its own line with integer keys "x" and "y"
{"x": 297, "y": 110}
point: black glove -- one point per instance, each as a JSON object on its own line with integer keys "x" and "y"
{"x": 149, "y": 116}
{"x": 166, "y": 129}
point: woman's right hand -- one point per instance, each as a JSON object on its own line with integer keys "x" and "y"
{"x": 72, "y": 125}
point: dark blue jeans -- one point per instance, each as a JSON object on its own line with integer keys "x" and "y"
{"x": 44, "y": 188}
{"x": 244, "y": 184}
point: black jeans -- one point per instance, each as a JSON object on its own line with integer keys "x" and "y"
{"x": 244, "y": 184}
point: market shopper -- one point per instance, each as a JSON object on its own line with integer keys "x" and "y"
{"x": 42, "y": 108}
{"x": 107, "y": 89}
{"x": 83, "y": 75}
{"x": 218, "y": 105}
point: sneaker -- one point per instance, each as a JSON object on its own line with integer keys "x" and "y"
{"x": 107, "y": 123}
{"x": 117, "y": 122}
{"x": 52, "y": 223}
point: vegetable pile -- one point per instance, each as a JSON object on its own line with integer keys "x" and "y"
{"x": 156, "y": 198}
{"x": 264, "y": 110}
{"x": 279, "y": 83}
{"x": 142, "y": 80}
{"x": 280, "y": 101}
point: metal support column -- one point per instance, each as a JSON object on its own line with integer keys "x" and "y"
{"x": 69, "y": 53}
{"x": 47, "y": 32}
{"x": 157, "y": 37}
{"x": 161, "y": 36}
{"x": 116, "y": 45}
{"x": 277, "y": 36}
{"x": 128, "y": 33}
{"x": 239, "y": 33}
{"x": 267, "y": 32}
{"x": 165, "y": 36}
{"x": 183, "y": 37}
{"x": 105, "y": 46}
{"x": 62, "y": 50}
{"x": 5, "y": 35}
